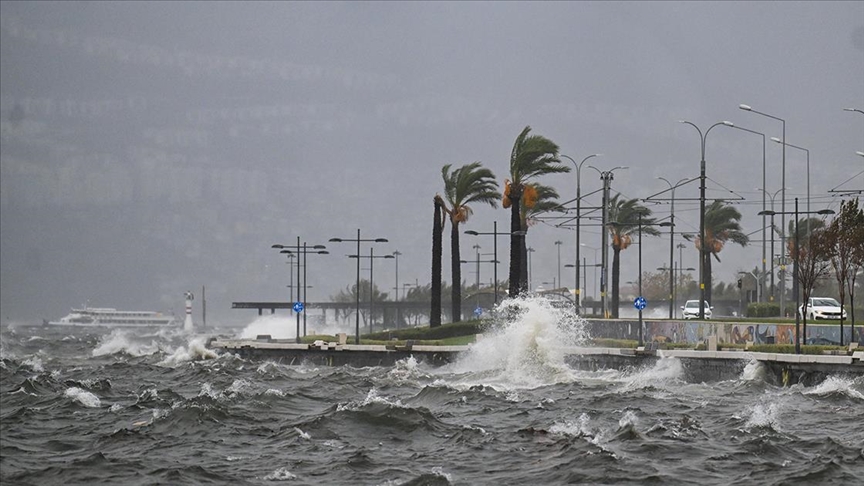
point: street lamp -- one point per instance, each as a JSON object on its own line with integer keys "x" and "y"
{"x": 606, "y": 177}
{"x": 558, "y": 243}
{"x": 672, "y": 241}
{"x": 298, "y": 250}
{"x": 772, "y": 242}
{"x": 372, "y": 256}
{"x": 578, "y": 217}
{"x": 777, "y": 140}
{"x": 529, "y": 250}
{"x": 703, "y": 139}
{"x": 495, "y": 234}
{"x": 594, "y": 285}
{"x": 763, "y": 198}
{"x": 358, "y": 240}
{"x": 396, "y": 256}
{"x": 795, "y": 269}
{"x": 782, "y": 199}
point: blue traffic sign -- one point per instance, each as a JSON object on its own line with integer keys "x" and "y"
{"x": 640, "y": 303}
{"x": 478, "y": 311}
{"x": 298, "y": 307}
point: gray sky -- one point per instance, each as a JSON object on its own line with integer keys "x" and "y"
{"x": 152, "y": 148}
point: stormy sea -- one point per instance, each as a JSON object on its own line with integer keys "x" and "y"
{"x": 130, "y": 408}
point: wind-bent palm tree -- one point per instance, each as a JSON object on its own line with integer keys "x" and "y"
{"x": 624, "y": 217}
{"x": 546, "y": 202}
{"x": 471, "y": 183}
{"x": 532, "y": 156}
{"x": 721, "y": 225}
{"x": 437, "y": 249}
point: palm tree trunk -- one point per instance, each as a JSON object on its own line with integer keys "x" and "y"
{"x": 616, "y": 280}
{"x": 437, "y": 250}
{"x": 456, "y": 271}
{"x": 517, "y": 285}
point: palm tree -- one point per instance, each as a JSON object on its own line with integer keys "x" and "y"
{"x": 532, "y": 156}
{"x": 624, "y": 217}
{"x": 721, "y": 225}
{"x": 546, "y": 200}
{"x": 437, "y": 249}
{"x": 471, "y": 183}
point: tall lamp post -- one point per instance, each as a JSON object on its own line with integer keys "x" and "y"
{"x": 782, "y": 201}
{"x": 606, "y": 177}
{"x": 764, "y": 207}
{"x": 495, "y": 234}
{"x": 672, "y": 244}
{"x": 358, "y": 240}
{"x": 777, "y": 140}
{"x": 795, "y": 268}
{"x": 578, "y": 217}
{"x": 703, "y": 139}
{"x": 372, "y": 256}
{"x": 558, "y": 243}
{"x": 529, "y": 250}
{"x": 772, "y": 242}
{"x": 298, "y": 250}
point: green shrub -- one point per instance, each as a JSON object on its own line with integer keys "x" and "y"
{"x": 763, "y": 309}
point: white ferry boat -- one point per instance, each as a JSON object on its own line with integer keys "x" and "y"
{"x": 109, "y": 317}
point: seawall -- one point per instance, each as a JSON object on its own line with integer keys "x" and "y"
{"x": 698, "y": 366}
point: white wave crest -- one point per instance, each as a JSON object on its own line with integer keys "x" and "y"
{"x": 34, "y": 363}
{"x": 754, "y": 371}
{"x": 303, "y": 435}
{"x": 836, "y": 384}
{"x": 83, "y": 397}
{"x": 195, "y": 350}
{"x": 764, "y": 415}
{"x": 371, "y": 398}
{"x": 121, "y": 342}
{"x": 281, "y": 474}
{"x": 665, "y": 373}
{"x": 526, "y": 348}
{"x": 278, "y": 327}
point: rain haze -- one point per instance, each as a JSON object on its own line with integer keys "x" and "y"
{"x": 153, "y": 148}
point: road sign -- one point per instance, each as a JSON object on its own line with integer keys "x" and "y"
{"x": 478, "y": 311}
{"x": 640, "y": 303}
{"x": 298, "y": 306}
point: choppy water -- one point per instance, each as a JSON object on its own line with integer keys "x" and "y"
{"x": 120, "y": 408}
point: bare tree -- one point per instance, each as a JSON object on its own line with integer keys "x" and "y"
{"x": 812, "y": 261}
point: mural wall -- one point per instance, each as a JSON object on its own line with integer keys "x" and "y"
{"x": 694, "y": 332}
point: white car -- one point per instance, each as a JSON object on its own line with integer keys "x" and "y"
{"x": 822, "y": 308}
{"x": 691, "y": 310}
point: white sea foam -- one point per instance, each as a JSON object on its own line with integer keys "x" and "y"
{"x": 754, "y": 371}
{"x": 764, "y": 415}
{"x": 303, "y": 435}
{"x": 836, "y": 384}
{"x": 526, "y": 350}
{"x": 281, "y": 474}
{"x": 83, "y": 397}
{"x": 278, "y": 327}
{"x": 121, "y": 342}
{"x": 665, "y": 373}
{"x": 579, "y": 428}
{"x": 371, "y": 398}
{"x": 195, "y": 350}
{"x": 34, "y": 363}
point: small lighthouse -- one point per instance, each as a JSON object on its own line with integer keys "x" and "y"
{"x": 188, "y": 326}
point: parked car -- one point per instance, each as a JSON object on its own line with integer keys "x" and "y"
{"x": 691, "y": 309}
{"x": 822, "y": 308}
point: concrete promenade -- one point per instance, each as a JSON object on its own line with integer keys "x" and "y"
{"x": 698, "y": 366}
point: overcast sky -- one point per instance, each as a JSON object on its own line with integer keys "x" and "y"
{"x": 154, "y": 148}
